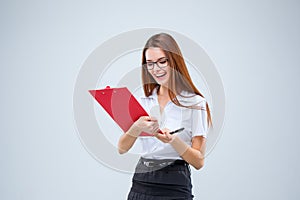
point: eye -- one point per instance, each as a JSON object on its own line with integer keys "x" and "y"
{"x": 163, "y": 61}
{"x": 150, "y": 64}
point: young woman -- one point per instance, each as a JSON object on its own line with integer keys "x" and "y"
{"x": 163, "y": 171}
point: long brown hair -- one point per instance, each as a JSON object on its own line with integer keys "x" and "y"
{"x": 179, "y": 76}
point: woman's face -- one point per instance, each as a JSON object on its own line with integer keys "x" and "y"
{"x": 158, "y": 65}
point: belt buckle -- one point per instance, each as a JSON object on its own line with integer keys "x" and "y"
{"x": 148, "y": 163}
{"x": 164, "y": 164}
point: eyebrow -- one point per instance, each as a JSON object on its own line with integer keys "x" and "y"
{"x": 156, "y": 60}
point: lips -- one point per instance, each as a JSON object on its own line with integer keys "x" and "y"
{"x": 160, "y": 75}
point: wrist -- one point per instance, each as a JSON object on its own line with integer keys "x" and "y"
{"x": 179, "y": 145}
{"x": 134, "y": 131}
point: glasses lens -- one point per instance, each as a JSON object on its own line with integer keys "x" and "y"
{"x": 160, "y": 63}
{"x": 163, "y": 62}
{"x": 149, "y": 65}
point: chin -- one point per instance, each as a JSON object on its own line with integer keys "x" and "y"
{"x": 162, "y": 82}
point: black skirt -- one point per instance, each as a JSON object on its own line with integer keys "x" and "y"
{"x": 154, "y": 180}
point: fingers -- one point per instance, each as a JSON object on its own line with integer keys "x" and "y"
{"x": 166, "y": 138}
{"x": 146, "y": 124}
{"x": 150, "y": 126}
{"x": 144, "y": 118}
{"x": 167, "y": 134}
{"x": 165, "y": 130}
{"x": 155, "y": 131}
{"x": 148, "y": 118}
{"x": 154, "y": 119}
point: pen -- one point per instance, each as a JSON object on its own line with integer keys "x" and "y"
{"x": 176, "y": 131}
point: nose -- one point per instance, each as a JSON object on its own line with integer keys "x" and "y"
{"x": 156, "y": 67}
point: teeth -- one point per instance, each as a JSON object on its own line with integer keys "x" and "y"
{"x": 160, "y": 75}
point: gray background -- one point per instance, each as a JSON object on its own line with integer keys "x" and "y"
{"x": 254, "y": 45}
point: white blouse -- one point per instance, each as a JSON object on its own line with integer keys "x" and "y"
{"x": 194, "y": 122}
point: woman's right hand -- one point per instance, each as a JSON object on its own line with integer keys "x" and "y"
{"x": 144, "y": 124}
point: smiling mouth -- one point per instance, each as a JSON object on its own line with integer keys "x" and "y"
{"x": 160, "y": 75}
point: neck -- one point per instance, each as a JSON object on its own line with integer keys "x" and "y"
{"x": 163, "y": 91}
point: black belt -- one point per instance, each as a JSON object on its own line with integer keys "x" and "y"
{"x": 161, "y": 163}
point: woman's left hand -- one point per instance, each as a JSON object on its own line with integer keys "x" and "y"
{"x": 166, "y": 137}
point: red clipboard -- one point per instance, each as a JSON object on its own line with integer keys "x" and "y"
{"x": 121, "y": 105}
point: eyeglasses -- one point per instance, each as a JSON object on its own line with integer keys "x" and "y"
{"x": 161, "y": 63}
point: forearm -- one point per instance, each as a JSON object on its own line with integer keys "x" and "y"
{"x": 126, "y": 141}
{"x": 194, "y": 157}
{"x": 189, "y": 154}
{"x": 143, "y": 124}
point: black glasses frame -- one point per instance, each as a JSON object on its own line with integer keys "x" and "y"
{"x": 157, "y": 63}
